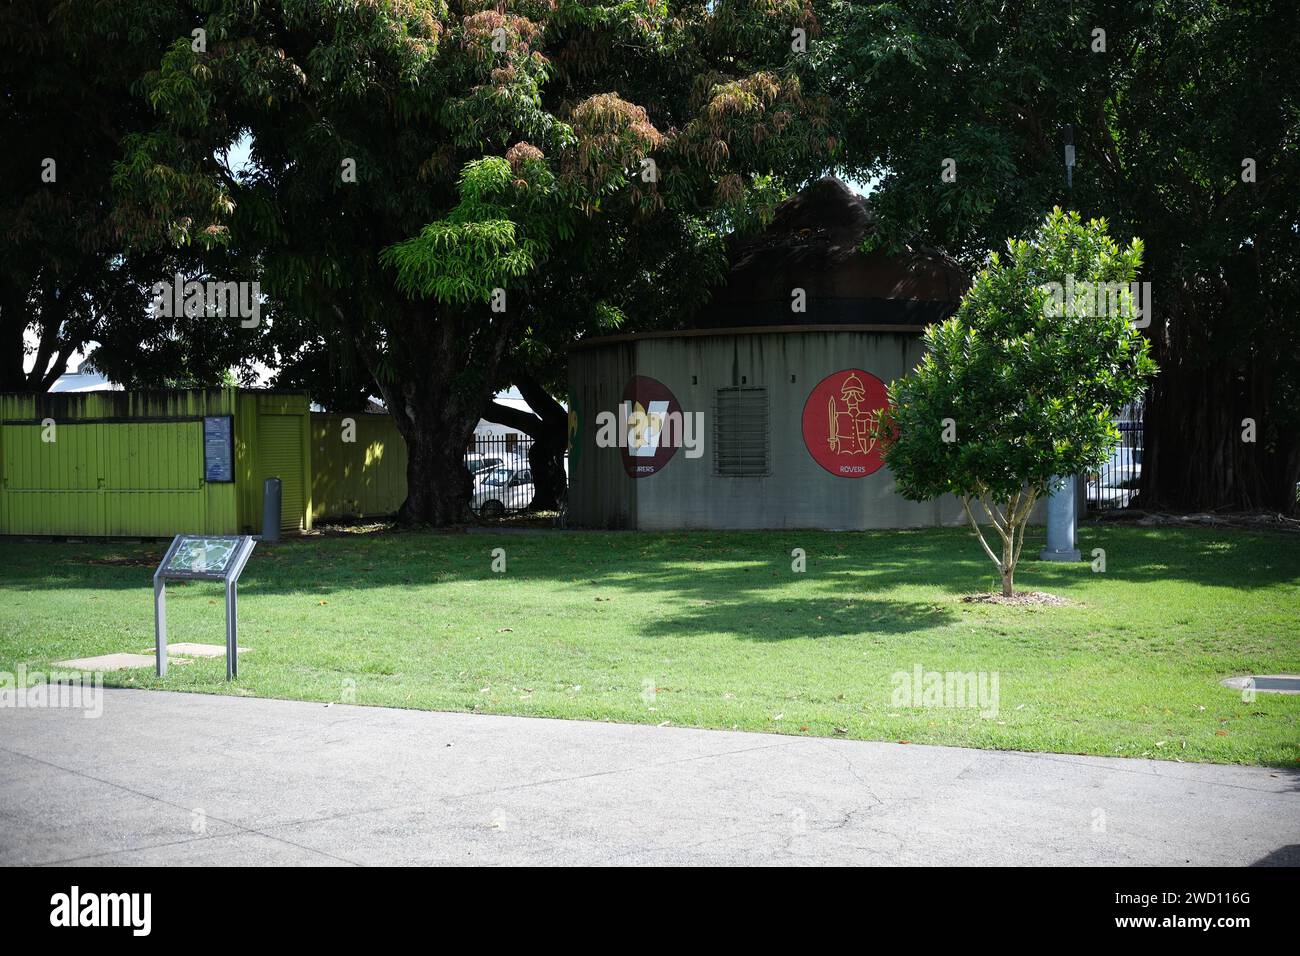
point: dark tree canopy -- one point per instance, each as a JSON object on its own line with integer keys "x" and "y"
{"x": 70, "y": 74}
{"x": 413, "y": 158}
{"x": 1174, "y": 106}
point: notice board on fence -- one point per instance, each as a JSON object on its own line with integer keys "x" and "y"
{"x": 218, "y": 448}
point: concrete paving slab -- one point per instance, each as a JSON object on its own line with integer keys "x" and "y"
{"x": 50, "y": 814}
{"x": 241, "y": 848}
{"x": 286, "y": 782}
{"x": 113, "y": 662}
{"x": 1266, "y": 683}
{"x": 188, "y": 649}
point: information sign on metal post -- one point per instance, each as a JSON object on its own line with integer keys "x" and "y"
{"x": 202, "y": 558}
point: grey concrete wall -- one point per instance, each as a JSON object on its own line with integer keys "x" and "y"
{"x": 686, "y": 493}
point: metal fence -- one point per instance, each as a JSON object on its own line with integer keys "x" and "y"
{"x": 1115, "y": 484}
{"x": 502, "y": 479}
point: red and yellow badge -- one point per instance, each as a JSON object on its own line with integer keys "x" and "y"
{"x": 837, "y": 420}
{"x": 650, "y": 420}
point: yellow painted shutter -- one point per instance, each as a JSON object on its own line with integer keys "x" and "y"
{"x": 280, "y": 455}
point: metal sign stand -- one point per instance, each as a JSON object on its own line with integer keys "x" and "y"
{"x": 188, "y": 560}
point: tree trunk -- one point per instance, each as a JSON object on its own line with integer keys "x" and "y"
{"x": 550, "y": 442}
{"x": 1008, "y": 567}
{"x": 546, "y": 461}
{"x": 1010, "y": 526}
{"x": 436, "y": 407}
{"x": 1194, "y": 456}
{"x": 438, "y": 484}
{"x": 15, "y": 314}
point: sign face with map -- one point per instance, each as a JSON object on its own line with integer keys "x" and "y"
{"x": 212, "y": 558}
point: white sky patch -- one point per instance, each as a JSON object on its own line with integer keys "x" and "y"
{"x": 239, "y": 155}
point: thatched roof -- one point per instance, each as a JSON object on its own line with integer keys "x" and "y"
{"x": 813, "y": 244}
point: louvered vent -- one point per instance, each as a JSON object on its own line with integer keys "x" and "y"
{"x": 740, "y": 432}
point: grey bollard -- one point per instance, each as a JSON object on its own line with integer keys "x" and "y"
{"x": 1061, "y": 520}
{"x": 271, "y": 509}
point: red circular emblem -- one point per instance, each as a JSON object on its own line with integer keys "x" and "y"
{"x": 837, "y": 421}
{"x": 650, "y": 426}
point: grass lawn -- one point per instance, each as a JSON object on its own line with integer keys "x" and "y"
{"x": 713, "y": 629}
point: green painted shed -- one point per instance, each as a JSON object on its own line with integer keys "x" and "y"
{"x": 152, "y": 463}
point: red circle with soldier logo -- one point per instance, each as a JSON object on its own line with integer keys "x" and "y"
{"x": 837, "y": 422}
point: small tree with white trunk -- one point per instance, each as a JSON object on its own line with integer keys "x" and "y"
{"x": 1023, "y": 383}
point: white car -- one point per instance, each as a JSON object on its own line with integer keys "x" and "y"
{"x": 502, "y": 489}
{"x": 1118, "y": 479}
{"x": 476, "y": 464}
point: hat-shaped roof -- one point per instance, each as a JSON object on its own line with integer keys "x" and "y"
{"x": 814, "y": 243}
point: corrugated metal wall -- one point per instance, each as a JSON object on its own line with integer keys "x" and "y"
{"x": 292, "y": 468}
{"x": 688, "y": 492}
{"x": 106, "y": 479}
{"x": 280, "y": 455}
{"x": 362, "y": 478}
{"x": 600, "y": 493}
{"x": 132, "y": 463}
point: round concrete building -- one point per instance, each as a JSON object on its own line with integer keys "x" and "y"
{"x": 759, "y": 417}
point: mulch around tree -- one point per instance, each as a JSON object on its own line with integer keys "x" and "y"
{"x": 1020, "y": 598}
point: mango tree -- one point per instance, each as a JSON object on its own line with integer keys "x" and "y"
{"x": 423, "y": 171}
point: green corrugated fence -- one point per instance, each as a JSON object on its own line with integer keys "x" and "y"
{"x": 359, "y": 466}
{"x": 136, "y": 463}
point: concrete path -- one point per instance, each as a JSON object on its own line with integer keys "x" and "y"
{"x": 165, "y": 778}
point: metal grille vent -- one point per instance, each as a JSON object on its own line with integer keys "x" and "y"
{"x": 741, "y": 447}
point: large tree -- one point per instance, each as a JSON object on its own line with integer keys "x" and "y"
{"x": 1185, "y": 118}
{"x": 68, "y": 96}
{"x": 422, "y": 170}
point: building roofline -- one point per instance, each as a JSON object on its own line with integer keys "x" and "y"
{"x": 163, "y": 391}
{"x": 598, "y": 341}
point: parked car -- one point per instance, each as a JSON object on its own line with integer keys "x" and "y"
{"x": 1117, "y": 480}
{"x": 502, "y": 489}
{"x": 476, "y": 464}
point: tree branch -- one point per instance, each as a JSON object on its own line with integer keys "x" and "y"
{"x": 965, "y": 503}
{"x": 1024, "y": 522}
{"x": 540, "y": 400}
{"x": 517, "y": 418}
{"x": 989, "y": 510}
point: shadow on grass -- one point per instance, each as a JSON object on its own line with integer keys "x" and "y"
{"x": 702, "y": 579}
{"x": 742, "y": 584}
{"x": 1212, "y": 557}
{"x": 752, "y": 616}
